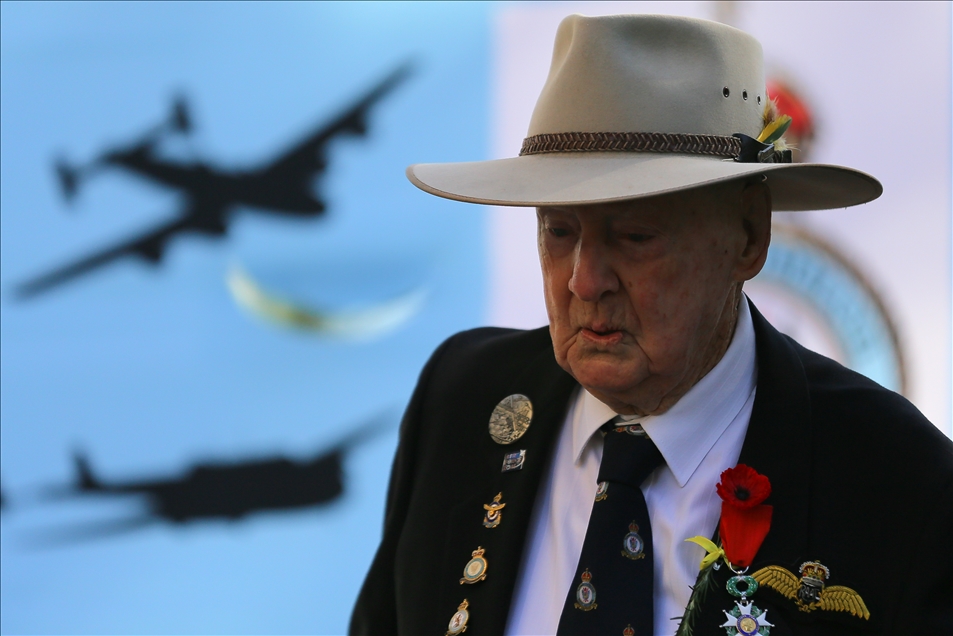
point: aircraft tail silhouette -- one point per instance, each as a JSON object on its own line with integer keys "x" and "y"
{"x": 181, "y": 118}
{"x": 85, "y": 480}
{"x": 178, "y": 121}
{"x": 69, "y": 179}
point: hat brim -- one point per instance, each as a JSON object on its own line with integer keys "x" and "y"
{"x": 603, "y": 177}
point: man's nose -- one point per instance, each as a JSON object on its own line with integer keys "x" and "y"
{"x": 592, "y": 274}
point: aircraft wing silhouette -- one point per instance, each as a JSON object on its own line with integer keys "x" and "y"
{"x": 150, "y": 246}
{"x": 82, "y": 532}
{"x": 307, "y": 157}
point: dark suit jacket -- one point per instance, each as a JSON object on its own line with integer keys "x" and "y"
{"x": 861, "y": 482}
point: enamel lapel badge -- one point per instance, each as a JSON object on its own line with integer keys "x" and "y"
{"x": 494, "y": 512}
{"x": 602, "y": 490}
{"x": 513, "y": 461}
{"x": 458, "y": 622}
{"x": 810, "y": 593}
{"x": 511, "y": 418}
{"x": 475, "y": 569}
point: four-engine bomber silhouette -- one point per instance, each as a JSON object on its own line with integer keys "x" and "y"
{"x": 229, "y": 491}
{"x": 284, "y": 185}
{"x": 222, "y": 490}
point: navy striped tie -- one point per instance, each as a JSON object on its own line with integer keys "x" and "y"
{"x": 612, "y": 589}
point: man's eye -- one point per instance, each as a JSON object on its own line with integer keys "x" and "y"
{"x": 635, "y": 237}
{"x": 559, "y": 232}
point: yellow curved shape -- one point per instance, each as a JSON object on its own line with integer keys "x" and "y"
{"x": 779, "y": 579}
{"x": 714, "y": 552}
{"x": 844, "y": 599}
{"x": 358, "y": 324}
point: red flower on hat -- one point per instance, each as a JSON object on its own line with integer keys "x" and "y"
{"x": 745, "y": 521}
{"x": 743, "y": 487}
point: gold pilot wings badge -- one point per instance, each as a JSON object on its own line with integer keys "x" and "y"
{"x": 810, "y": 593}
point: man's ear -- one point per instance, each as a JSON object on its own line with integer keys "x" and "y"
{"x": 756, "y": 221}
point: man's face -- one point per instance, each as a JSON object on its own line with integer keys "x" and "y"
{"x": 642, "y": 295}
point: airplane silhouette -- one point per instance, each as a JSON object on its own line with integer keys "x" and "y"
{"x": 227, "y": 491}
{"x": 284, "y": 185}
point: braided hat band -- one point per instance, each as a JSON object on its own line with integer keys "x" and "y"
{"x": 718, "y": 145}
{"x": 738, "y": 147}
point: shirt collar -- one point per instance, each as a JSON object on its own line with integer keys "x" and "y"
{"x": 686, "y": 432}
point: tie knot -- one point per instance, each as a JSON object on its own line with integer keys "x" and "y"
{"x": 628, "y": 456}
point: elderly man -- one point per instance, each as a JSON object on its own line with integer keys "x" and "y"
{"x": 660, "y": 458}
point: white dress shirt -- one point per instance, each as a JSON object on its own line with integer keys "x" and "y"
{"x": 699, "y": 437}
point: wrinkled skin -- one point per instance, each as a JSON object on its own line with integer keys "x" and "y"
{"x": 643, "y": 295}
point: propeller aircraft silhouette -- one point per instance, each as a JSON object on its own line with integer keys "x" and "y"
{"x": 284, "y": 185}
{"x": 227, "y": 490}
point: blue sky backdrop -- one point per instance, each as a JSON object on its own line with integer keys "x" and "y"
{"x": 150, "y": 370}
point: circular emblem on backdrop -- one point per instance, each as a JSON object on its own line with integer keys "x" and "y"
{"x": 510, "y": 418}
{"x": 811, "y": 292}
{"x": 586, "y": 593}
{"x": 632, "y": 545}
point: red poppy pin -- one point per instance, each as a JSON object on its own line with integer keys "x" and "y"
{"x": 745, "y": 521}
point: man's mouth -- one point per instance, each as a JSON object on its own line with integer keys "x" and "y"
{"x": 601, "y": 335}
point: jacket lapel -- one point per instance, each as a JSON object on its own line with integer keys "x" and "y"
{"x": 549, "y": 388}
{"x": 778, "y": 445}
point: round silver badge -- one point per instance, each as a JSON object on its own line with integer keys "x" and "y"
{"x": 510, "y": 418}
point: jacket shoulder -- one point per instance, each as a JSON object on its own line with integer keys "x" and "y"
{"x": 493, "y": 354}
{"x": 872, "y": 419}
{"x": 485, "y": 341}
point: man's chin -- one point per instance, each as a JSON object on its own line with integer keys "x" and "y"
{"x": 606, "y": 374}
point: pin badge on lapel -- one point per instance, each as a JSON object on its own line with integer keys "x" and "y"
{"x": 475, "y": 569}
{"x": 514, "y": 461}
{"x": 810, "y": 593}
{"x": 510, "y": 418}
{"x": 458, "y": 622}
{"x": 494, "y": 512}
